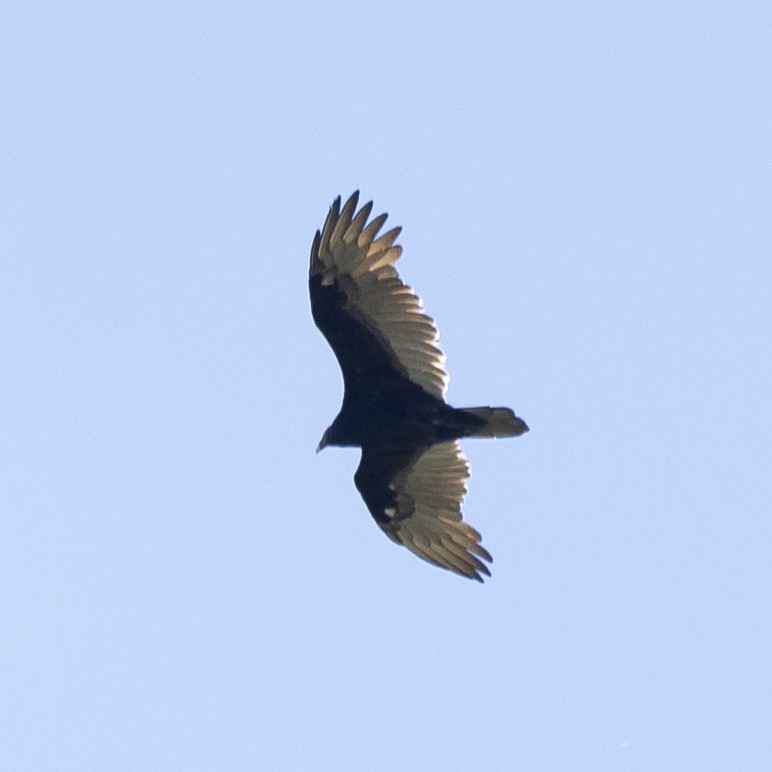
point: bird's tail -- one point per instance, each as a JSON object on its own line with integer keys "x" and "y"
{"x": 498, "y": 422}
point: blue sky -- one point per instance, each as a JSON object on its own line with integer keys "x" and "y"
{"x": 585, "y": 194}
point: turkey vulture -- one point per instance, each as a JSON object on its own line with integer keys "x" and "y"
{"x": 412, "y": 472}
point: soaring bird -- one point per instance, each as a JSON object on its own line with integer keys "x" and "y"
{"x": 412, "y": 472}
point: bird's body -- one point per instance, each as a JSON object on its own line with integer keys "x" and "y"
{"x": 412, "y": 473}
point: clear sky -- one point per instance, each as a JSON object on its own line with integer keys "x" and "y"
{"x": 586, "y": 196}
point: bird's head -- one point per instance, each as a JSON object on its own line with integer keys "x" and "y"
{"x": 326, "y": 439}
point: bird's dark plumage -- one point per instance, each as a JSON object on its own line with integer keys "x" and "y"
{"x": 412, "y": 473}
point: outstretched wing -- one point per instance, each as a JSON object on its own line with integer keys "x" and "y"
{"x": 415, "y": 497}
{"x": 372, "y": 320}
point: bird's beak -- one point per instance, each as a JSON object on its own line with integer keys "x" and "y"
{"x": 325, "y": 441}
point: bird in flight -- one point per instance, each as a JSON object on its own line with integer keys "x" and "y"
{"x": 412, "y": 472}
